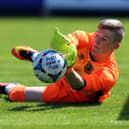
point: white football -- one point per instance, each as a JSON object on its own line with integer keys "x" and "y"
{"x": 49, "y": 66}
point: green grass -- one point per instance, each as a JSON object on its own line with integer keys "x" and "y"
{"x": 37, "y": 33}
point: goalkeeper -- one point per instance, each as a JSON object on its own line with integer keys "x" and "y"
{"x": 92, "y": 68}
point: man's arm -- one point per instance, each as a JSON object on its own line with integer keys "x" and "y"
{"x": 75, "y": 80}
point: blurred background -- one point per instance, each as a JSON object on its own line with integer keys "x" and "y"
{"x": 64, "y": 7}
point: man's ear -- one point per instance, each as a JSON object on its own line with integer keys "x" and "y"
{"x": 116, "y": 45}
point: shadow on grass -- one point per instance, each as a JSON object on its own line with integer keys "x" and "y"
{"x": 124, "y": 114}
{"x": 47, "y": 106}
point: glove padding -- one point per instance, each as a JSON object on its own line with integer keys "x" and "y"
{"x": 62, "y": 44}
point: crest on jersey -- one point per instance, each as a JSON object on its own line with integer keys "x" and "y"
{"x": 88, "y": 68}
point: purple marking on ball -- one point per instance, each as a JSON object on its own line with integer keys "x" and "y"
{"x": 40, "y": 61}
{"x": 44, "y": 54}
{"x": 43, "y": 71}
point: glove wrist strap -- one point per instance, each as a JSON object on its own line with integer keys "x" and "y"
{"x": 69, "y": 70}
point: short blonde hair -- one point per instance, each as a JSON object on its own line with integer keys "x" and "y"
{"x": 115, "y": 26}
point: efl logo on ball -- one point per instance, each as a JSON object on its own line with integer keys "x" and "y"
{"x": 49, "y": 66}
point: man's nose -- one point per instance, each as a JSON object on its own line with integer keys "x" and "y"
{"x": 98, "y": 40}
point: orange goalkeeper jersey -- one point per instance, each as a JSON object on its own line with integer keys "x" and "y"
{"x": 100, "y": 76}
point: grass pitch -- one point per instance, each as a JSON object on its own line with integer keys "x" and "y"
{"x": 113, "y": 113}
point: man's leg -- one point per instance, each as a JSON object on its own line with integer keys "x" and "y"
{"x": 18, "y": 92}
{"x": 50, "y": 93}
{"x": 28, "y": 94}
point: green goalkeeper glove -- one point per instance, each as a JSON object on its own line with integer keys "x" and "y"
{"x": 62, "y": 44}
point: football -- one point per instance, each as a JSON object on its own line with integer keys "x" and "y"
{"x": 49, "y": 66}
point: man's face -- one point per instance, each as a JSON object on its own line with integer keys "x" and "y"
{"x": 103, "y": 43}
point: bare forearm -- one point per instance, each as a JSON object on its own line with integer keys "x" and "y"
{"x": 75, "y": 80}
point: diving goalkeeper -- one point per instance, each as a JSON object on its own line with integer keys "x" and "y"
{"x": 92, "y": 68}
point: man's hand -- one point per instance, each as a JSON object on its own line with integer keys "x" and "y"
{"x": 62, "y": 44}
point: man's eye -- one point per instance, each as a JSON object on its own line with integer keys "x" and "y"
{"x": 96, "y": 35}
{"x": 105, "y": 38}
